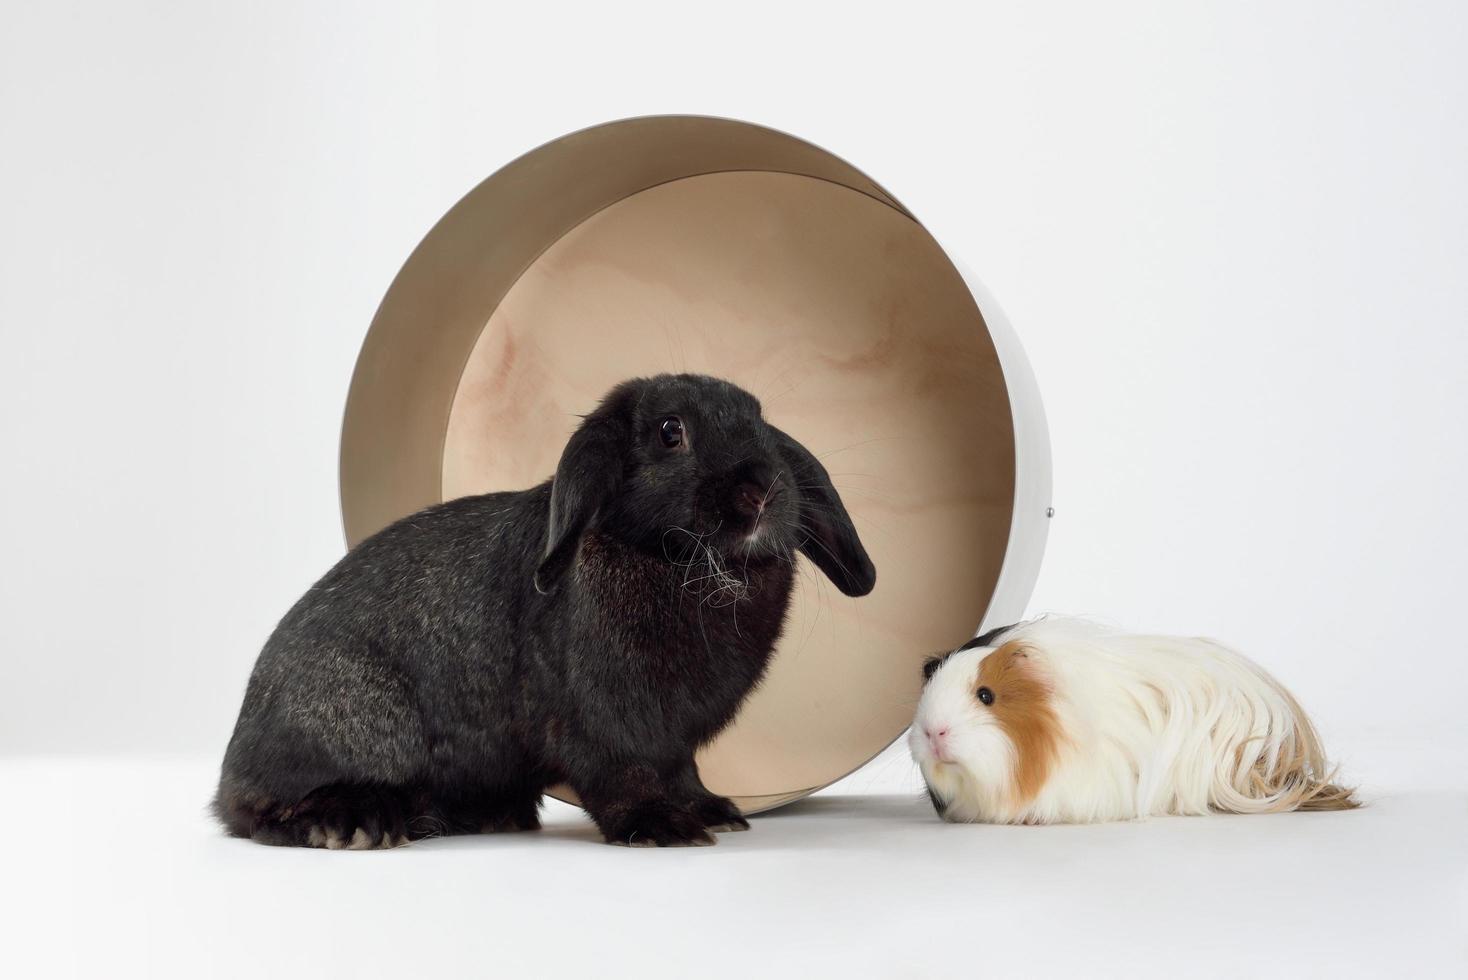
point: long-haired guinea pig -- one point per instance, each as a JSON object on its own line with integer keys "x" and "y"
{"x": 1063, "y": 721}
{"x": 593, "y": 630}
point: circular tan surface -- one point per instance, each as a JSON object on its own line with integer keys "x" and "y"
{"x": 848, "y": 322}
{"x": 702, "y": 244}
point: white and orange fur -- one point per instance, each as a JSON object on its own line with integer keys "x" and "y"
{"x": 1091, "y": 724}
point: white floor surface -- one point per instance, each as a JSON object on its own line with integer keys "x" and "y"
{"x": 113, "y": 870}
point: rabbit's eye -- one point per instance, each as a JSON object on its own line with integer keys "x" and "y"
{"x": 986, "y": 696}
{"x": 670, "y": 431}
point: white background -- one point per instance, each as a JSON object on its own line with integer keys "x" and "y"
{"x": 1234, "y": 242}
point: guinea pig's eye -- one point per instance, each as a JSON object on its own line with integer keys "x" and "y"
{"x": 985, "y": 695}
{"x": 670, "y": 431}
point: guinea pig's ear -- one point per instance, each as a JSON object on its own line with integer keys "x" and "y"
{"x": 830, "y": 538}
{"x": 589, "y": 474}
{"x": 987, "y": 639}
{"x": 931, "y": 665}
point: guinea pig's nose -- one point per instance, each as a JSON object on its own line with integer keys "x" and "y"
{"x": 936, "y": 737}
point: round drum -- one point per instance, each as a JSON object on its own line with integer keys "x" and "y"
{"x": 684, "y": 243}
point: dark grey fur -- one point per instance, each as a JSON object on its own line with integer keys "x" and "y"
{"x": 594, "y": 630}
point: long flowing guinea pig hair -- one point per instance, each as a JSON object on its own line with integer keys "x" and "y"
{"x": 1061, "y": 720}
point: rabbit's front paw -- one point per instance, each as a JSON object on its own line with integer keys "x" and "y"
{"x": 659, "y": 825}
{"x": 719, "y": 815}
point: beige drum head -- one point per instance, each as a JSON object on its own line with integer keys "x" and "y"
{"x": 707, "y": 245}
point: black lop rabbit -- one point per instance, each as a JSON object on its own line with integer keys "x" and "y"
{"x": 594, "y": 630}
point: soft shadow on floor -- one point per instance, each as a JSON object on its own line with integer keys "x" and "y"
{"x": 896, "y": 823}
{"x": 816, "y": 821}
{"x": 881, "y": 806}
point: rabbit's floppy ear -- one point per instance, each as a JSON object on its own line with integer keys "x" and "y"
{"x": 830, "y": 538}
{"x": 589, "y": 474}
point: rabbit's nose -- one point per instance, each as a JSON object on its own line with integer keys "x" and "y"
{"x": 751, "y": 499}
